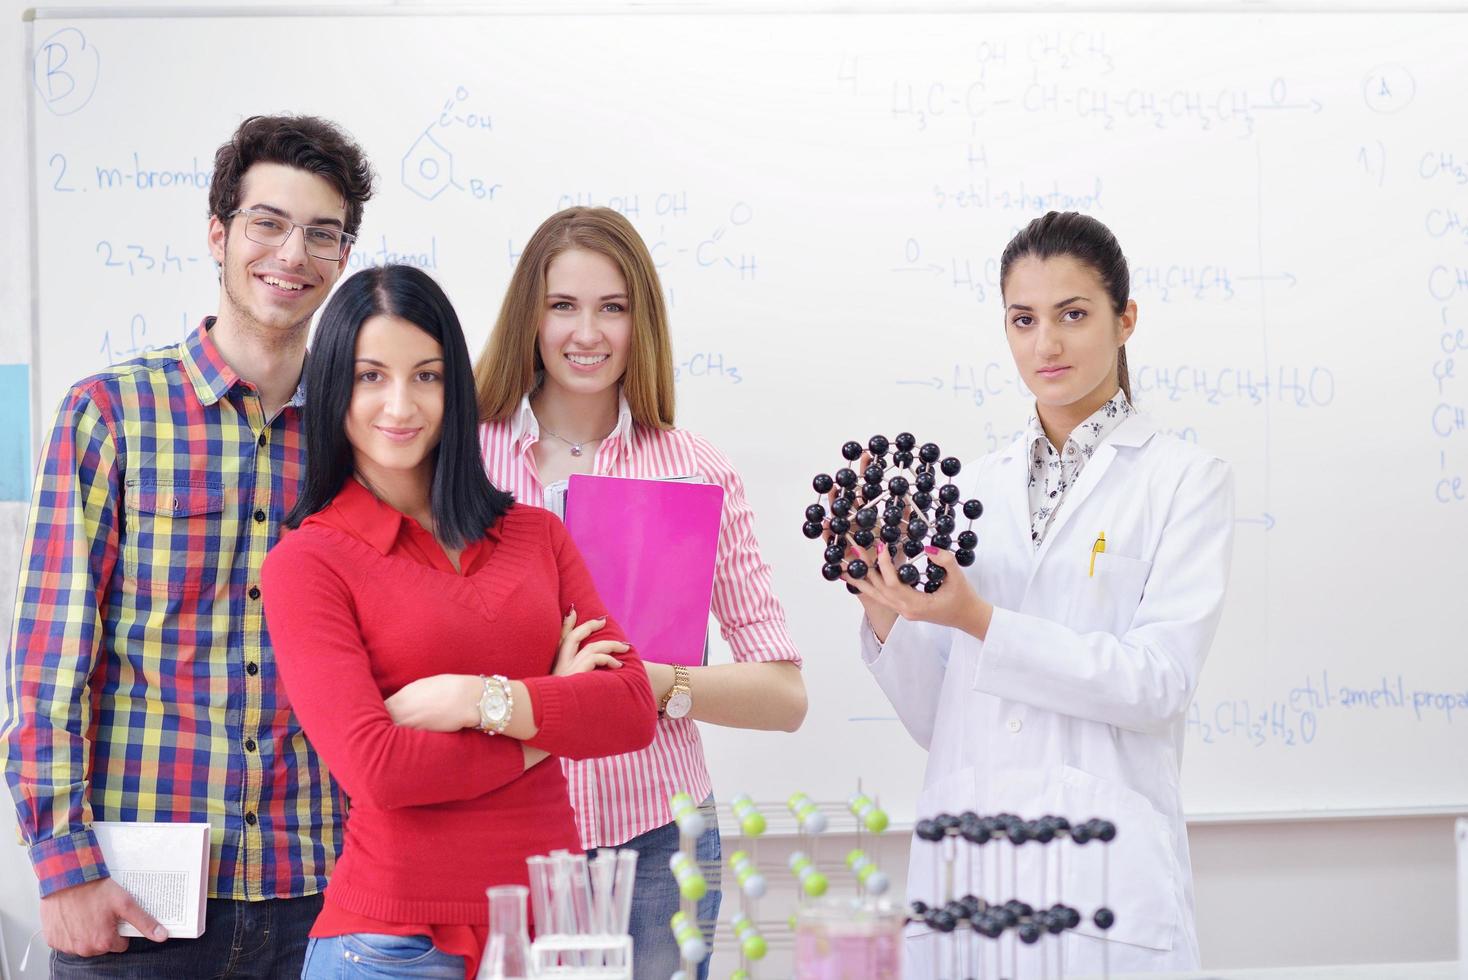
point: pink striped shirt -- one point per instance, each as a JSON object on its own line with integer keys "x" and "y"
{"x": 616, "y": 798}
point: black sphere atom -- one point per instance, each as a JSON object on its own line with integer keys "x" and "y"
{"x": 1104, "y": 918}
{"x": 892, "y": 499}
{"x": 831, "y": 571}
{"x": 975, "y": 833}
{"x": 972, "y": 509}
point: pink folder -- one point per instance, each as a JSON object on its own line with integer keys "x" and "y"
{"x": 650, "y": 546}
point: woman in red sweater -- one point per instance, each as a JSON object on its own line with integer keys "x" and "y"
{"x": 407, "y": 565}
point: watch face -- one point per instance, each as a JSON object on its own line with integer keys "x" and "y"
{"x": 493, "y": 706}
{"x": 679, "y": 705}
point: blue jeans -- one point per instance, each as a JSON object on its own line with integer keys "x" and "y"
{"x": 370, "y": 956}
{"x": 263, "y": 940}
{"x": 655, "y": 898}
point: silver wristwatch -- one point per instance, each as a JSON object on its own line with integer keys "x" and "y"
{"x": 496, "y": 704}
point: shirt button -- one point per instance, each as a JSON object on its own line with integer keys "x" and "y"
{"x": 1015, "y": 724}
{"x": 252, "y": 668}
{"x": 259, "y": 517}
{"x": 262, "y": 440}
{"x": 254, "y": 592}
{"x": 250, "y": 818}
{"x": 249, "y": 745}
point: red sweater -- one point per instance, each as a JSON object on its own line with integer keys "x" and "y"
{"x": 360, "y": 600}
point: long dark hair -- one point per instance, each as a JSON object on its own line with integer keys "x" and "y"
{"x": 1086, "y": 240}
{"x": 465, "y": 504}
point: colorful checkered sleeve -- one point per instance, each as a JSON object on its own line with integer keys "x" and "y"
{"x": 141, "y": 682}
{"x": 70, "y": 547}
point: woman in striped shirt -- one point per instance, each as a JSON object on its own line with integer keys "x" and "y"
{"x": 577, "y": 377}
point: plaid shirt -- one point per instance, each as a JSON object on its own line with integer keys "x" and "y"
{"x": 140, "y": 679}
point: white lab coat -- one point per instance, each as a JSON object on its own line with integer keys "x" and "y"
{"x": 1074, "y": 704}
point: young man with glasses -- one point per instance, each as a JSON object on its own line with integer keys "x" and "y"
{"x": 141, "y": 683}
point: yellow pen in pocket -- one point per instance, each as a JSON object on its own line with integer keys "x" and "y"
{"x": 1097, "y": 549}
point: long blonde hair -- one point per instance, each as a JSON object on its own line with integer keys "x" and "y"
{"x": 506, "y": 369}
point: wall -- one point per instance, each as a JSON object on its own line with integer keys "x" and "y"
{"x": 1268, "y": 893}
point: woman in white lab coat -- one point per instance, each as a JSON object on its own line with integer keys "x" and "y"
{"x": 1053, "y": 675}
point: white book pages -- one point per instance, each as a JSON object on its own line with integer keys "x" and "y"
{"x": 165, "y": 866}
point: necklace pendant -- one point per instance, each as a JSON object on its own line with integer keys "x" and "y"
{"x": 575, "y": 450}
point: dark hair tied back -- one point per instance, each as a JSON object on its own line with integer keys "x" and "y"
{"x": 1083, "y": 238}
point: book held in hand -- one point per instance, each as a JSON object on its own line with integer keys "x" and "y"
{"x": 165, "y": 866}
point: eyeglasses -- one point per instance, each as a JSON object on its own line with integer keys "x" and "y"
{"x": 269, "y": 228}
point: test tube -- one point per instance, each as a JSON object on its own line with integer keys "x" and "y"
{"x": 540, "y": 907}
{"x": 626, "y": 879}
{"x": 581, "y": 900}
{"x": 603, "y": 872}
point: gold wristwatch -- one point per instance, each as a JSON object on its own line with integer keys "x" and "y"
{"x": 679, "y": 699}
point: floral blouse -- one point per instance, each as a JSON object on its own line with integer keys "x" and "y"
{"x": 1053, "y": 472}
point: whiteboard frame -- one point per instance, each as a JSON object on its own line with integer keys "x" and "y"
{"x": 498, "y": 8}
{"x": 494, "y": 8}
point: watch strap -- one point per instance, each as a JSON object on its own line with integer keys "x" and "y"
{"x": 681, "y": 682}
{"x": 496, "y": 693}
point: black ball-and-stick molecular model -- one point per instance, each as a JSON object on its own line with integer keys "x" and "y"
{"x": 896, "y": 500}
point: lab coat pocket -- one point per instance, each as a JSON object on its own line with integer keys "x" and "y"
{"x": 950, "y": 792}
{"x": 1136, "y": 875}
{"x": 1106, "y": 598}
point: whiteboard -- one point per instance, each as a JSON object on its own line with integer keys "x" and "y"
{"x": 826, "y": 197}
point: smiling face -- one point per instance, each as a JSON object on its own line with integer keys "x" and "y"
{"x": 276, "y": 288}
{"x": 395, "y": 417}
{"x": 586, "y": 327}
{"x": 1064, "y": 333}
